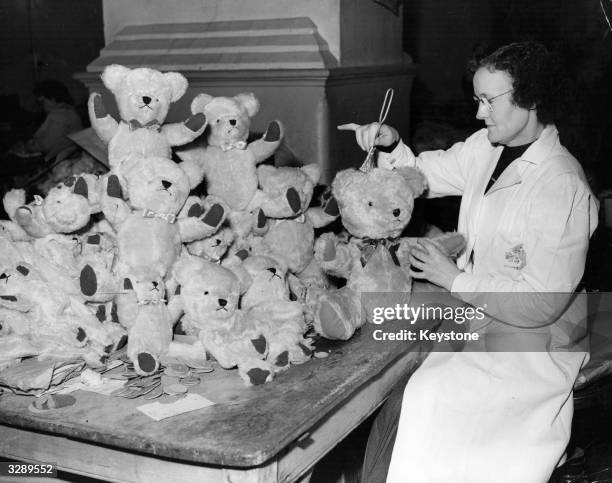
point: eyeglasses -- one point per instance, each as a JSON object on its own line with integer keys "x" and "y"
{"x": 488, "y": 101}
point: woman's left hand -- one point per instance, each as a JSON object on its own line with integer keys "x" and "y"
{"x": 435, "y": 266}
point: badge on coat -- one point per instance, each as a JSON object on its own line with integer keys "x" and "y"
{"x": 516, "y": 257}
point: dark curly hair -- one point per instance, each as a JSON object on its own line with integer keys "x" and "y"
{"x": 537, "y": 76}
{"x": 52, "y": 89}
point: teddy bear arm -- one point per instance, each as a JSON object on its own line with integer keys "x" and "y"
{"x": 404, "y": 249}
{"x": 179, "y": 133}
{"x": 337, "y": 258}
{"x": 103, "y": 124}
{"x": 32, "y": 219}
{"x": 196, "y": 228}
{"x": 192, "y": 166}
{"x": 451, "y": 244}
{"x": 175, "y": 308}
{"x": 265, "y": 147}
{"x": 319, "y": 217}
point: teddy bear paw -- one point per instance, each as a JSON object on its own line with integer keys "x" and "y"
{"x": 146, "y": 363}
{"x": 98, "y": 106}
{"x": 261, "y": 223}
{"x": 330, "y": 205}
{"x": 88, "y": 281}
{"x": 214, "y": 216}
{"x": 196, "y": 122}
{"x": 281, "y": 361}
{"x": 273, "y": 133}
{"x": 113, "y": 187}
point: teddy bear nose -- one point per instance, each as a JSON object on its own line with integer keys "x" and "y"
{"x": 155, "y": 284}
{"x": 232, "y": 122}
{"x": 396, "y": 212}
{"x": 166, "y": 184}
{"x": 222, "y": 302}
{"x": 272, "y": 270}
{"x": 146, "y": 99}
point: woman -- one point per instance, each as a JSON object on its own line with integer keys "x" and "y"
{"x": 62, "y": 119}
{"x": 500, "y": 411}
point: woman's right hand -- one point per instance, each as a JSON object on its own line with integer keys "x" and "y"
{"x": 365, "y": 135}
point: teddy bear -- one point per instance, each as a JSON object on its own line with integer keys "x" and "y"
{"x": 374, "y": 208}
{"x": 155, "y": 220}
{"x": 142, "y": 310}
{"x": 285, "y": 198}
{"x": 207, "y": 297}
{"x": 67, "y": 207}
{"x": 267, "y": 302}
{"x": 143, "y": 96}
{"x": 44, "y": 316}
{"x": 226, "y": 160}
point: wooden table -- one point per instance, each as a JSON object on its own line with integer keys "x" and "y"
{"x": 269, "y": 433}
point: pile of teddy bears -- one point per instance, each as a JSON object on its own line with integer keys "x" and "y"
{"x": 132, "y": 252}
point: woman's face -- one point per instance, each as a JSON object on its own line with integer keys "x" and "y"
{"x": 507, "y": 123}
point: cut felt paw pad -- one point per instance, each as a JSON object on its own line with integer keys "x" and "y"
{"x": 258, "y": 376}
{"x": 195, "y": 211}
{"x": 273, "y": 132}
{"x": 88, "y": 281}
{"x": 214, "y": 216}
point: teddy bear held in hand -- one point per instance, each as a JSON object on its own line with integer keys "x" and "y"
{"x": 375, "y": 207}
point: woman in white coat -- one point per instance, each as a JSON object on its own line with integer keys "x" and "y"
{"x": 501, "y": 410}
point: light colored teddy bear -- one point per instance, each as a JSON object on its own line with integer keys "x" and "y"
{"x": 36, "y": 309}
{"x": 226, "y": 160}
{"x": 267, "y": 303}
{"x": 142, "y": 310}
{"x": 208, "y": 297}
{"x": 286, "y": 195}
{"x": 374, "y": 207}
{"x": 150, "y": 231}
{"x": 143, "y": 96}
{"x": 67, "y": 207}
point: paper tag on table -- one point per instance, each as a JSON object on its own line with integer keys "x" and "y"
{"x": 190, "y": 402}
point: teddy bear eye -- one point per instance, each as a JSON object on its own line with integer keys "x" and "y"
{"x": 370, "y": 203}
{"x": 206, "y": 293}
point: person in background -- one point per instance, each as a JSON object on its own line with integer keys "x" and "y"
{"x": 25, "y": 159}
{"x": 500, "y": 411}
{"x": 61, "y": 120}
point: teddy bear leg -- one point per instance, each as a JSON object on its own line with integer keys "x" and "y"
{"x": 338, "y": 314}
{"x": 146, "y": 363}
{"x": 196, "y": 122}
{"x": 255, "y": 372}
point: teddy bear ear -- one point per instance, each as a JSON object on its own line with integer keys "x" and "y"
{"x": 249, "y": 102}
{"x": 113, "y": 75}
{"x": 179, "y": 84}
{"x": 415, "y": 180}
{"x": 200, "y": 102}
{"x": 343, "y": 179}
{"x": 313, "y": 171}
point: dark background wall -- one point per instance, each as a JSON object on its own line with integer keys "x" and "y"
{"x": 43, "y": 39}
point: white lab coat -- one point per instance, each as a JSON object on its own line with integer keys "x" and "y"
{"x": 487, "y": 415}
